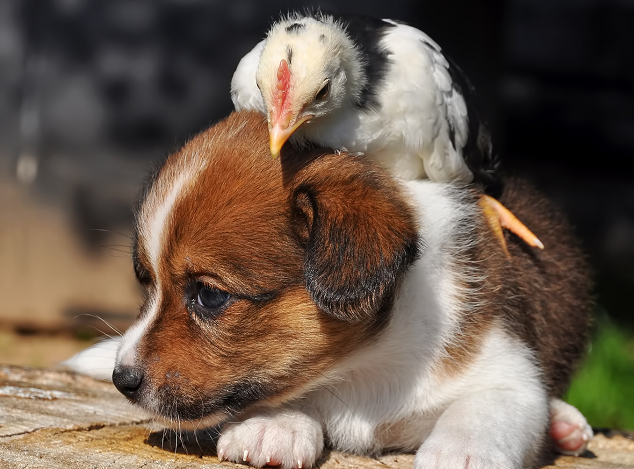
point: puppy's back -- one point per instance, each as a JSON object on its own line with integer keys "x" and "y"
{"x": 544, "y": 296}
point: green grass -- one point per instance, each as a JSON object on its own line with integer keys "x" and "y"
{"x": 603, "y": 389}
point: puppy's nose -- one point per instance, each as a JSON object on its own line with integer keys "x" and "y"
{"x": 127, "y": 380}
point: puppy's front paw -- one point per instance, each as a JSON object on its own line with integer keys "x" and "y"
{"x": 288, "y": 438}
{"x": 454, "y": 452}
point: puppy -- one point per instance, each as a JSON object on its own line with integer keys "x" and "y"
{"x": 314, "y": 299}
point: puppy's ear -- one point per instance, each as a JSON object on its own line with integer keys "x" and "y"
{"x": 359, "y": 236}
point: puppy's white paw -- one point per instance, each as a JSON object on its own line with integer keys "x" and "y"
{"x": 568, "y": 428}
{"x": 289, "y": 439}
{"x": 461, "y": 452}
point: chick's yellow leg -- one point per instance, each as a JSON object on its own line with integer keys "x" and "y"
{"x": 498, "y": 217}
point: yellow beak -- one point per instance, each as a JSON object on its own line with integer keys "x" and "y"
{"x": 279, "y": 135}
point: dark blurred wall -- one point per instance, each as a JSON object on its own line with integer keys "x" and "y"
{"x": 93, "y": 92}
{"x": 568, "y": 99}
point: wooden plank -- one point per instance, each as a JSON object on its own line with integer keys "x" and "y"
{"x": 59, "y": 420}
{"x": 32, "y": 399}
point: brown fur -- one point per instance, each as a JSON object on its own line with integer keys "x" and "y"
{"x": 541, "y": 296}
{"x": 549, "y": 302}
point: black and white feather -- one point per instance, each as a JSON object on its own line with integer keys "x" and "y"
{"x": 392, "y": 95}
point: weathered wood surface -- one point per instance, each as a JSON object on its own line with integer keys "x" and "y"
{"x": 58, "y": 420}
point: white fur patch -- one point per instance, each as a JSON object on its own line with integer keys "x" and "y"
{"x": 156, "y": 215}
{"x": 126, "y": 355}
{"x": 173, "y": 184}
{"x": 96, "y": 361}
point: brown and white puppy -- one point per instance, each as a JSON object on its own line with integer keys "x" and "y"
{"x": 314, "y": 298}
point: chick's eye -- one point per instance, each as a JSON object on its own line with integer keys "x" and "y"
{"x": 323, "y": 92}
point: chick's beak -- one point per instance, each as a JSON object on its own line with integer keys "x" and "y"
{"x": 279, "y": 133}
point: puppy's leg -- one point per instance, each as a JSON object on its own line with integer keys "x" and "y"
{"x": 568, "y": 428}
{"x": 494, "y": 429}
{"x": 283, "y": 437}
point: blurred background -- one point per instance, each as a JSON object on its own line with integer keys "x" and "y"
{"x": 93, "y": 93}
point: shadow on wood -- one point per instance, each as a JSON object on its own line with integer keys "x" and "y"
{"x": 196, "y": 443}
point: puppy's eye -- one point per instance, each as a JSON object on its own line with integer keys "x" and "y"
{"x": 208, "y": 302}
{"x": 211, "y": 298}
{"x": 323, "y": 92}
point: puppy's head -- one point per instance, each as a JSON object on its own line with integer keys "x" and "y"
{"x": 259, "y": 273}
